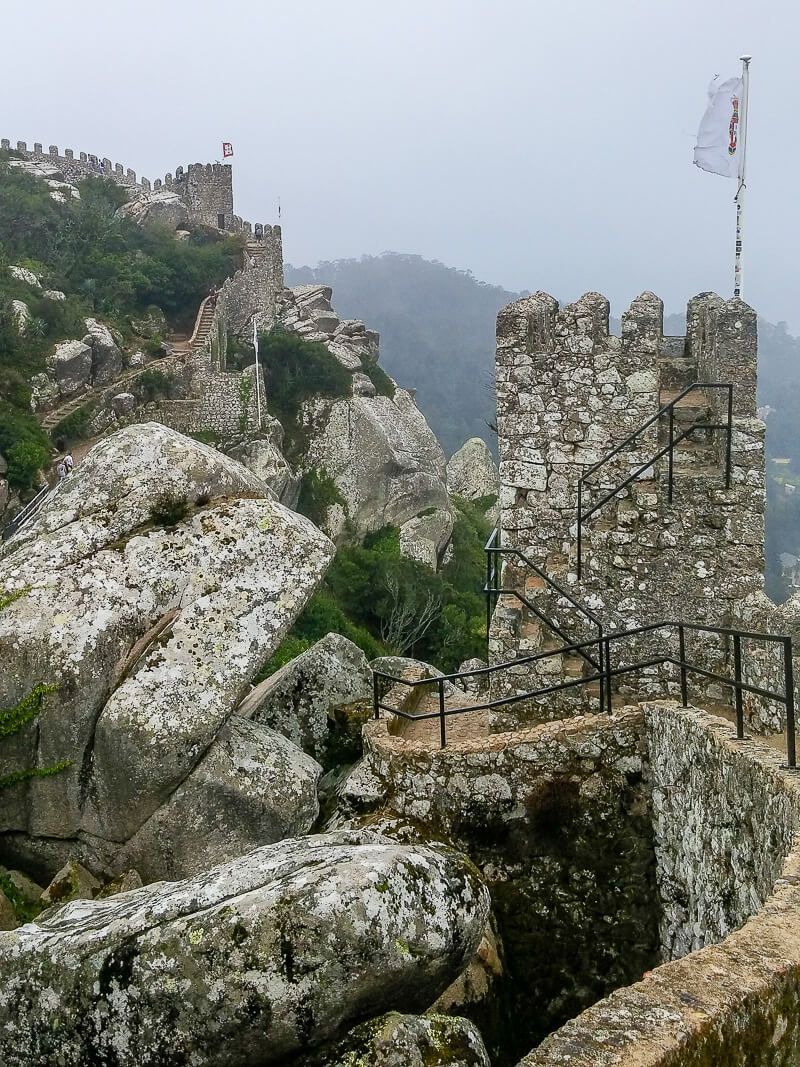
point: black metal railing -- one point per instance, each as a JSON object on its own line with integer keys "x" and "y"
{"x": 673, "y": 439}
{"x": 26, "y": 513}
{"x": 608, "y": 672}
{"x": 494, "y": 589}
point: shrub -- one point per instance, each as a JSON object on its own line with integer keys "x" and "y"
{"x": 24, "y": 444}
{"x": 152, "y": 384}
{"x": 295, "y": 371}
{"x": 75, "y": 426}
{"x": 25, "y": 460}
{"x": 318, "y": 491}
{"x": 384, "y": 386}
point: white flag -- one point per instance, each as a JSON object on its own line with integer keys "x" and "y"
{"x": 719, "y": 143}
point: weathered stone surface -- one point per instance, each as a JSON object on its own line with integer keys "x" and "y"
{"x": 70, "y": 364}
{"x": 302, "y": 699}
{"x": 72, "y": 882}
{"x": 408, "y": 1041}
{"x": 54, "y": 294}
{"x": 123, "y": 403}
{"x": 472, "y": 471}
{"x": 253, "y": 961}
{"x": 44, "y": 391}
{"x": 156, "y": 579}
{"x": 264, "y": 458}
{"x": 163, "y": 206}
{"x": 425, "y": 537}
{"x": 382, "y": 455}
{"x": 725, "y": 831}
{"x": 152, "y": 324}
{"x": 106, "y": 353}
{"x": 21, "y": 314}
{"x": 253, "y": 785}
{"x": 557, "y": 819}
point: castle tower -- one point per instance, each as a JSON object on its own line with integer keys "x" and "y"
{"x": 207, "y": 190}
{"x": 569, "y": 396}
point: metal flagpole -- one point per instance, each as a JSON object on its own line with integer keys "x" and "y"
{"x": 258, "y": 375}
{"x": 739, "y": 198}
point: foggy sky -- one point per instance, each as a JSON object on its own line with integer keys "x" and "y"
{"x": 539, "y": 144}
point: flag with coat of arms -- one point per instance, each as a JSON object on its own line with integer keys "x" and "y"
{"x": 227, "y": 149}
{"x": 719, "y": 140}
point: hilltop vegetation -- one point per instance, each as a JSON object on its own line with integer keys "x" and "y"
{"x": 104, "y": 264}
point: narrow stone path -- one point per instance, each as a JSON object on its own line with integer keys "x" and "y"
{"x": 467, "y": 726}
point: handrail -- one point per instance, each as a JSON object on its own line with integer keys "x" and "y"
{"x": 494, "y": 589}
{"x": 668, "y": 449}
{"x": 607, "y": 673}
{"x": 26, "y": 513}
{"x": 198, "y": 319}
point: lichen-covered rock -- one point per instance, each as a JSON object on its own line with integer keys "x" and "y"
{"x": 253, "y": 785}
{"x": 151, "y": 587}
{"x": 396, "y": 1040}
{"x": 44, "y": 391}
{"x": 425, "y": 537}
{"x": 302, "y": 699}
{"x": 106, "y": 353}
{"x": 21, "y": 314}
{"x": 123, "y": 403}
{"x": 253, "y": 961}
{"x": 472, "y": 471}
{"x": 153, "y": 323}
{"x": 160, "y": 205}
{"x": 70, "y": 364}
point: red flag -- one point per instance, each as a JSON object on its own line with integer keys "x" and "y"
{"x": 227, "y": 149}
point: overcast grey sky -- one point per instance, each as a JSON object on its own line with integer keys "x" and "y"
{"x": 539, "y": 144}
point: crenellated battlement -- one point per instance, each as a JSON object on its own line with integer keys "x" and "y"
{"x": 206, "y": 188}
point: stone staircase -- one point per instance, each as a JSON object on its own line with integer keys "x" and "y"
{"x": 203, "y": 324}
{"x": 50, "y": 419}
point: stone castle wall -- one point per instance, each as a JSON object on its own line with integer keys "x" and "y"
{"x": 725, "y": 820}
{"x": 205, "y": 188}
{"x": 223, "y": 403}
{"x": 567, "y": 394}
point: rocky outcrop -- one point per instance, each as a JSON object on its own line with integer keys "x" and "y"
{"x": 263, "y": 456}
{"x": 383, "y": 457}
{"x": 472, "y": 471}
{"x": 161, "y": 205}
{"x": 308, "y": 699}
{"x": 22, "y": 274}
{"x": 70, "y": 366}
{"x": 395, "y": 1040}
{"x": 426, "y": 536}
{"x": 106, "y": 352}
{"x": 375, "y": 445}
{"x": 149, "y": 589}
{"x": 253, "y": 961}
{"x": 21, "y": 314}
